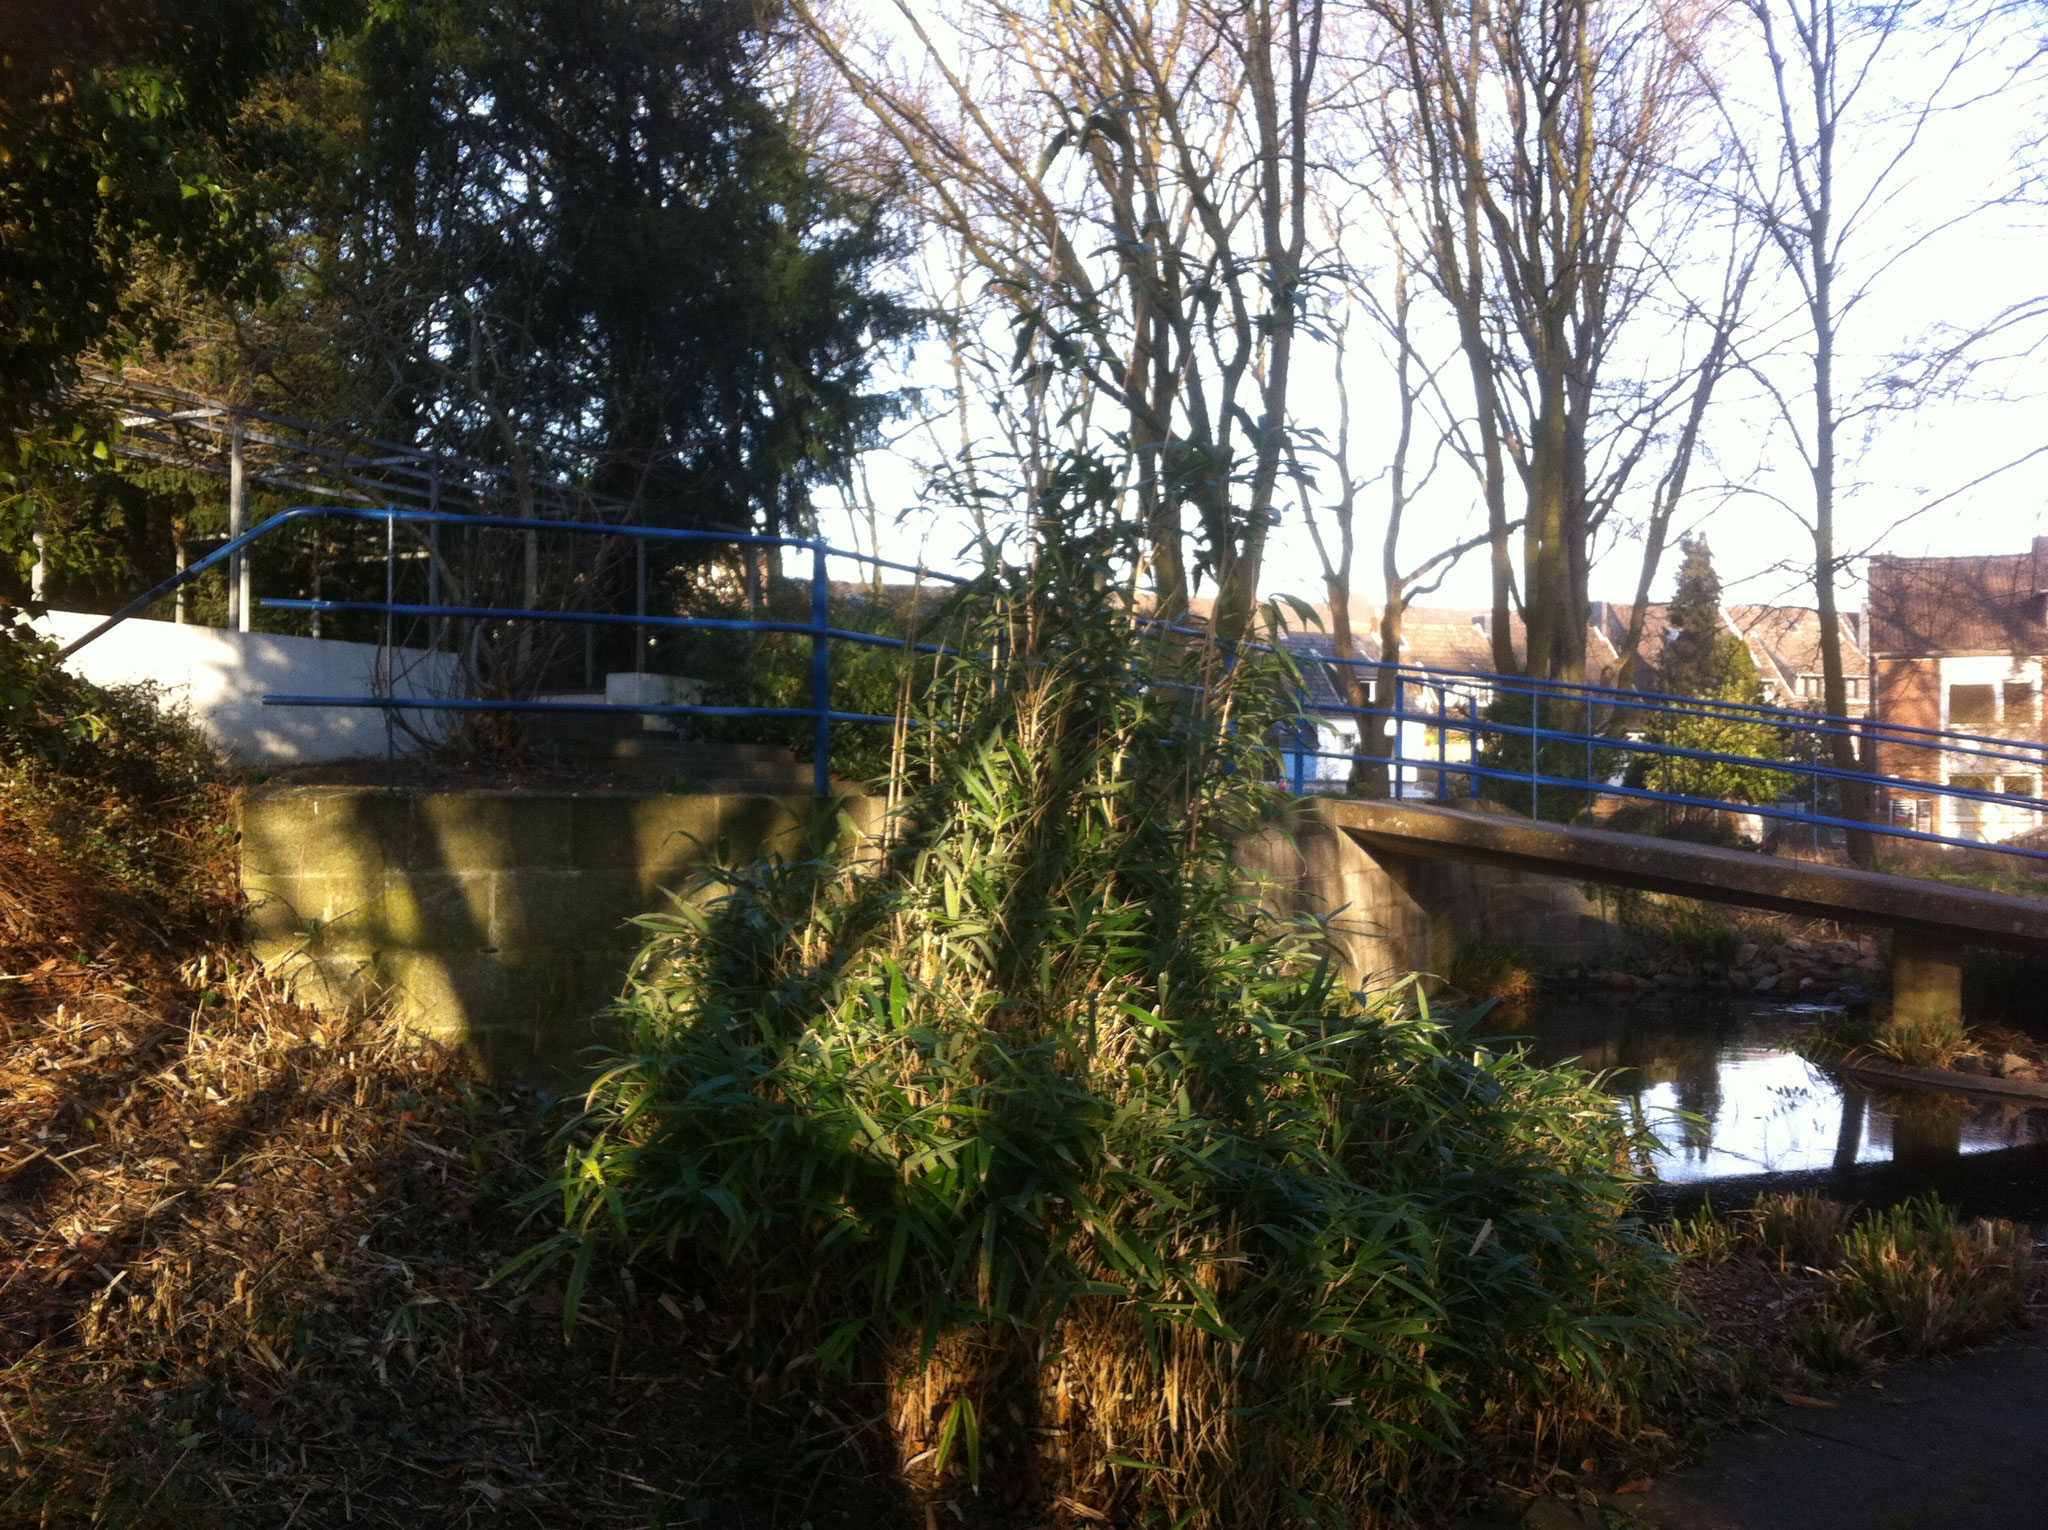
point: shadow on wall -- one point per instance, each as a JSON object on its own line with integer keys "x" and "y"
{"x": 500, "y": 921}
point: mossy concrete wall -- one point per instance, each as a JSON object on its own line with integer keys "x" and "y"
{"x": 497, "y": 920}
{"x": 502, "y": 921}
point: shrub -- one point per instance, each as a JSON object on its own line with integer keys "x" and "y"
{"x": 1033, "y": 1120}
{"x": 109, "y": 804}
{"x": 1560, "y": 759}
{"x": 1486, "y": 968}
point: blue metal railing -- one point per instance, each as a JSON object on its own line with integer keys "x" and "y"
{"x": 1612, "y": 740}
{"x": 819, "y": 628}
{"x": 1455, "y": 702}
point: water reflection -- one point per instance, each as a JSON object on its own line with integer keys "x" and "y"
{"x": 1766, "y": 1114}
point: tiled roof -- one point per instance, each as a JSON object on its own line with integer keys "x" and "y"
{"x": 1783, "y": 640}
{"x": 1920, "y": 607}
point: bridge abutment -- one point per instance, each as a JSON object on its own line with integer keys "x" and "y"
{"x": 1927, "y": 978}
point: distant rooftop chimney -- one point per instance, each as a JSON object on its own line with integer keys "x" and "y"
{"x": 1485, "y": 622}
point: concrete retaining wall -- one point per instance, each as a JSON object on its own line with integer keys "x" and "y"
{"x": 501, "y": 920}
{"x": 497, "y": 920}
{"x": 220, "y": 677}
{"x": 1396, "y": 914}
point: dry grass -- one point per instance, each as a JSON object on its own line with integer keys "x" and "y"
{"x": 244, "y": 1265}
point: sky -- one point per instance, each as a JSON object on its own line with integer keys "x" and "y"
{"x": 1903, "y": 488}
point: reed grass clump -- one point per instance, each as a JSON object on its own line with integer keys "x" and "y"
{"x": 1708, "y": 1237}
{"x": 1032, "y": 1128}
{"x": 1932, "y": 1042}
{"x": 1804, "y": 1228}
{"x": 1925, "y": 1280}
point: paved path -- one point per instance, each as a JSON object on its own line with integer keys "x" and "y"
{"x": 1961, "y": 1445}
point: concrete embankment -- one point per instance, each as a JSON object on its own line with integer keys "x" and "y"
{"x": 502, "y": 920}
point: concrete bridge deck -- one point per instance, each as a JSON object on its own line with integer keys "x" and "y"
{"x": 1932, "y": 921}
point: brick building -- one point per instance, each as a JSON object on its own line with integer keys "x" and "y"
{"x": 1958, "y": 643}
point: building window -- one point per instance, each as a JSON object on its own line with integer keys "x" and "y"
{"x": 1972, "y": 704}
{"x": 1816, "y": 686}
{"x": 1913, "y": 813}
{"x": 1975, "y": 783}
{"x": 2020, "y": 701}
{"x": 2018, "y": 786}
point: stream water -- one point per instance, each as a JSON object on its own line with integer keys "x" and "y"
{"x": 1739, "y": 1110}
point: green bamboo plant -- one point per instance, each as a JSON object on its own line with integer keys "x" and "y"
{"x": 1031, "y": 1119}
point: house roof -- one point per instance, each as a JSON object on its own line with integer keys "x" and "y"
{"x": 1993, "y": 603}
{"x": 1784, "y": 641}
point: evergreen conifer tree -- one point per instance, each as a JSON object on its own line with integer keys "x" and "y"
{"x": 1704, "y": 659}
{"x": 1696, "y": 656}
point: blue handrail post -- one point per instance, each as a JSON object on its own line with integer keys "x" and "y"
{"x": 1391, "y": 736}
{"x": 1443, "y": 717}
{"x": 821, "y": 674}
{"x": 1591, "y": 799}
{"x": 1471, "y": 700}
{"x": 639, "y": 604}
{"x": 1535, "y": 751}
{"x": 385, "y": 665}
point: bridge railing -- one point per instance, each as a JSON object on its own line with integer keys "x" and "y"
{"x": 1441, "y": 732}
{"x": 1560, "y": 745}
{"x": 438, "y": 614}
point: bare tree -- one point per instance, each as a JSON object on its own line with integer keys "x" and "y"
{"x": 1130, "y": 179}
{"x": 1544, "y": 134}
{"x": 1829, "y": 164}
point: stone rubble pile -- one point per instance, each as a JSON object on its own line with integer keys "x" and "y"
{"x": 1843, "y": 971}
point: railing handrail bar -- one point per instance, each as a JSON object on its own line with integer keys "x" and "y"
{"x": 1426, "y": 765}
{"x": 604, "y": 618}
{"x": 1794, "y": 717}
{"x": 489, "y": 704}
{"x": 2035, "y": 758}
{"x": 292, "y": 514}
{"x": 1813, "y": 771}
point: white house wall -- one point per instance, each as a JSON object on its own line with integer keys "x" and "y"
{"x": 1991, "y": 822}
{"x": 220, "y": 678}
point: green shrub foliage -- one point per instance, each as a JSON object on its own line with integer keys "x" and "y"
{"x": 130, "y": 794}
{"x": 1525, "y": 739}
{"x": 1032, "y": 1118}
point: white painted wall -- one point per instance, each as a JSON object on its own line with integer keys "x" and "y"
{"x": 1994, "y": 823}
{"x": 221, "y": 677}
